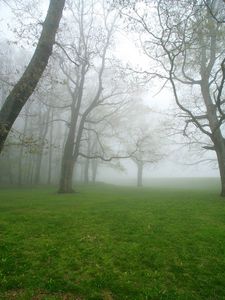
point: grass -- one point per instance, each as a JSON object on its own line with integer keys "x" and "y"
{"x": 108, "y": 242}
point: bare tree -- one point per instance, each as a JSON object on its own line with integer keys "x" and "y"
{"x": 148, "y": 151}
{"x": 85, "y": 82}
{"x": 145, "y": 134}
{"x": 188, "y": 46}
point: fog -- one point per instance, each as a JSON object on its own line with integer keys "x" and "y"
{"x": 112, "y": 149}
{"x": 114, "y": 105}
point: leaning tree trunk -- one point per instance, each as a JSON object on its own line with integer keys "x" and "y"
{"x": 139, "y": 173}
{"x": 30, "y": 78}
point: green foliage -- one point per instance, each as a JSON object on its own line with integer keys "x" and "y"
{"x": 108, "y": 242}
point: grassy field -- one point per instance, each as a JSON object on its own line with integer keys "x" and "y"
{"x": 108, "y": 242}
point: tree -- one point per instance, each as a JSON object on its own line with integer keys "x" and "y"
{"x": 147, "y": 150}
{"x": 144, "y": 134}
{"x": 34, "y": 142}
{"x": 217, "y": 9}
{"x": 90, "y": 84}
{"x": 188, "y": 46}
{"x": 30, "y": 78}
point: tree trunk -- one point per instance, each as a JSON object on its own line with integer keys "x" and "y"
{"x": 217, "y": 137}
{"x": 42, "y": 137}
{"x": 20, "y": 166}
{"x": 94, "y": 164}
{"x": 86, "y": 170}
{"x": 30, "y": 78}
{"x": 221, "y": 164}
{"x": 38, "y": 167}
{"x": 67, "y": 166}
{"x": 87, "y": 161}
{"x": 49, "y": 181}
{"x": 32, "y": 165}
{"x": 68, "y": 161}
{"x": 69, "y": 158}
{"x": 139, "y": 174}
{"x": 66, "y": 179}
{"x": 20, "y": 171}
{"x": 28, "y": 172}
{"x": 211, "y": 108}
{"x": 219, "y": 146}
{"x": 10, "y": 172}
{"x": 81, "y": 178}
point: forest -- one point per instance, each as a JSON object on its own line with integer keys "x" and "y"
{"x": 112, "y": 149}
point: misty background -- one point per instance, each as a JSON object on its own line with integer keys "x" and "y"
{"x": 136, "y": 107}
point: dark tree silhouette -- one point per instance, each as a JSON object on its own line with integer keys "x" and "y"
{"x": 30, "y": 78}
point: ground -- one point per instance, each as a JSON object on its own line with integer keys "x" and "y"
{"x": 108, "y": 242}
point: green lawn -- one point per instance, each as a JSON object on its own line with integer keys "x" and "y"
{"x": 108, "y": 242}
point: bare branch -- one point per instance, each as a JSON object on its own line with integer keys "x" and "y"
{"x": 67, "y": 55}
